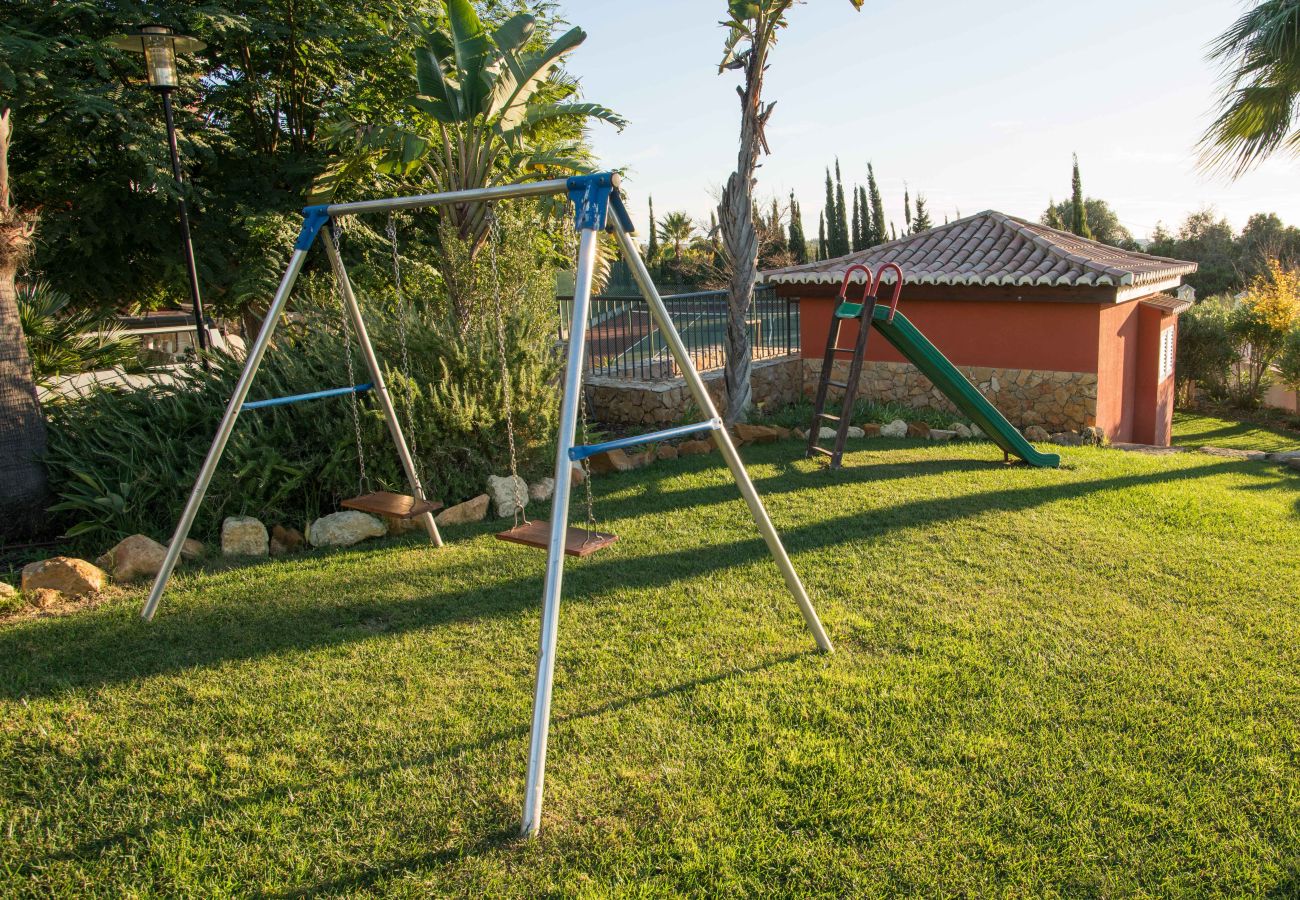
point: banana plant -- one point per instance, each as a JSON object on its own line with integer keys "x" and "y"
{"x": 491, "y": 106}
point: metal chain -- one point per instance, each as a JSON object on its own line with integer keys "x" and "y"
{"x": 507, "y": 385}
{"x": 403, "y": 314}
{"x": 363, "y": 481}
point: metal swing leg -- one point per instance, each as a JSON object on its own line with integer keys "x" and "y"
{"x": 251, "y": 364}
{"x": 720, "y": 436}
{"x": 587, "y": 250}
{"x": 380, "y": 387}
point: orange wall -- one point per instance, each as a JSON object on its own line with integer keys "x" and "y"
{"x": 1059, "y": 337}
{"x": 1154, "y": 397}
{"x": 1117, "y": 370}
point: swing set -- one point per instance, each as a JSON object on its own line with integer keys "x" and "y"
{"x": 598, "y": 205}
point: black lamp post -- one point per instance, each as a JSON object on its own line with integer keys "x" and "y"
{"x": 160, "y": 44}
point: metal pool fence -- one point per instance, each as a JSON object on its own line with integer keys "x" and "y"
{"x": 623, "y": 341}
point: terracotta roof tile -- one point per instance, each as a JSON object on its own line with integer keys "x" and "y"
{"x": 992, "y": 248}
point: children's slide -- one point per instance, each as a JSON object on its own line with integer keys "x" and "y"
{"x": 918, "y": 350}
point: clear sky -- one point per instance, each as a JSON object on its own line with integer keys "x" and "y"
{"x": 978, "y": 105}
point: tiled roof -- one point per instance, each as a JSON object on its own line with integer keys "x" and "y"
{"x": 992, "y": 248}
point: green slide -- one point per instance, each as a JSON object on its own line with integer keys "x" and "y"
{"x": 918, "y": 350}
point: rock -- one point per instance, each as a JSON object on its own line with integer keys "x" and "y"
{"x": 1068, "y": 439}
{"x": 1285, "y": 456}
{"x": 7, "y": 591}
{"x": 941, "y": 434}
{"x": 542, "y": 490}
{"x": 871, "y": 429}
{"x": 508, "y": 492}
{"x": 756, "y": 434}
{"x": 137, "y": 556}
{"x": 1230, "y": 453}
{"x": 825, "y": 433}
{"x": 856, "y": 432}
{"x": 1095, "y": 437}
{"x": 286, "y": 540}
{"x": 1293, "y": 463}
{"x": 977, "y": 432}
{"x": 244, "y": 536}
{"x": 43, "y": 598}
{"x": 609, "y": 461}
{"x": 783, "y": 433}
{"x": 192, "y": 550}
{"x": 641, "y": 460}
{"x": 1037, "y": 433}
{"x": 474, "y": 510}
{"x": 74, "y": 577}
{"x": 394, "y": 525}
{"x": 918, "y": 430}
{"x": 578, "y": 475}
{"x": 694, "y": 448}
{"x": 667, "y": 451}
{"x": 961, "y": 431}
{"x": 895, "y": 429}
{"x": 799, "y": 434}
{"x": 345, "y": 528}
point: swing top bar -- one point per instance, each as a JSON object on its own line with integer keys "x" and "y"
{"x": 592, "y": 195}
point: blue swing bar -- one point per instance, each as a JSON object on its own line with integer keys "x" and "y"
{"x": 578, "y": 454}
{"x": 315, "y": 395}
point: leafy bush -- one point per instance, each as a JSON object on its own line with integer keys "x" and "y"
{"x": 1205, "y": 348}
{"x": 123, "y": 462}
{"x": 66, "y": 341}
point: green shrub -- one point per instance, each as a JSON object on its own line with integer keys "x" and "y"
{"x": 123, "y": 461}
{"x": 1206, "y": 350}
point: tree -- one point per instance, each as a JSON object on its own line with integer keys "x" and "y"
{"x": 821, "y": 237}
{"x": 676, "y": 230}
{"x": 877, "y": 208}
{"x": 1261, "y": 324}
{"x": 907, "y": 209}
{"x": 843, "y": 243}
{"x": 490, "y": 107}
{"x": 868, "y": 226}
{"x": 23, "y": 488}
{"x": 1103, "y": 221}
{"x": 1079, "y": 208}
{"x": 921, "y": 219}
{"x": 1260, "y": 56}
{"x": 857, "y": 222}
{"x": 1209, "y": 240}
{"x": 798, "y": 243}
{"x": 653, "y": 250}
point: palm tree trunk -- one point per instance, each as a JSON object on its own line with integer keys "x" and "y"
{"x": 22, "y": 427}
{"x": 740, "y": 237}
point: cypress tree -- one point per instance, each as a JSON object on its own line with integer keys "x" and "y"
{"x": 653, "y": 250}
{"x": 893, "y": 232}
{"x": 841, "y": 239}
{"x": 776, "y": 231}
{"x": 829, "y": 217}
{"x": 798, "y": 243}
{"x": 857, "y": 222}
{"x": 821, "y": 237}
{"x": 907, "y": 209}
{"x": 868, "y": 227}
{"x": 877, "y": 208}
{"x": 1053, "y": 218}
{"x": 921, "y": 221}
{"x": 1079, "y": 217}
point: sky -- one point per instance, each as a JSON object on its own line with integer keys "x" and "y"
{"x": 975, "y": 105}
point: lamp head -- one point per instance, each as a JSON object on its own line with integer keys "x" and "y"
{"x": 159, "y": 44}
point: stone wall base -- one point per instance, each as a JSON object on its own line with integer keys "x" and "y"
{"x": 776, "y": 383}
{"x": 1057, "y": 401}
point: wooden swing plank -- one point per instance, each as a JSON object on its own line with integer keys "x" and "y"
{"x": 386, "y": 503}
{"x": 577, "y": 541}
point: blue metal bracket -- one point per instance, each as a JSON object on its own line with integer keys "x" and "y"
{"x": 578, "y": 454}
{"x": 313, "y": 220}
{"x": 314, "y": 395}
{"x": 620, "y": 212}
{"x": 590, "y": 196}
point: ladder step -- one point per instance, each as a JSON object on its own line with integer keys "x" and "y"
{"x": 828, "y": 416}
{"x": 822, "y": 450}
{"x": 839, "y": 384}
{"x": 843, "y": 350}
{"x": 577, "y": 541}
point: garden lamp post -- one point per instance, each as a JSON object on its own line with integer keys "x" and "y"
{"x": 160, "y": 44}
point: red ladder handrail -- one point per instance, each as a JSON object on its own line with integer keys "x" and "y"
{"x": 898, "y": 285}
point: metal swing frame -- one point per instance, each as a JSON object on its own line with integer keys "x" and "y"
{"x": 597, "y": 205}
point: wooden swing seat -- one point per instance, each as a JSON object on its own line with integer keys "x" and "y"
{"x": 386, "y": 503}
{"x": 578, "y": 542}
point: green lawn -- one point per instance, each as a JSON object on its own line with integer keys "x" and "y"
{"x": 1081, "y": 682}
{"x": 1200, "y": 429}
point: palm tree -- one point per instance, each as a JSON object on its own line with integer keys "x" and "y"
{"x": 22, "y": 427}
{"x": 491, "y": 107}
{"x": 676, "y": 229}
{"x": 755, "y": 25}
{"x": 1260, "y": 55}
